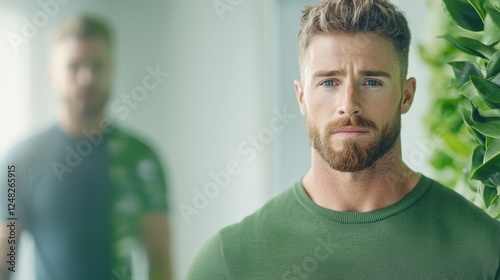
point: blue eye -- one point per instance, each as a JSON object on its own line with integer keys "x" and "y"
{"x": 328, "y": 83}
{"x": 373, "y": 83}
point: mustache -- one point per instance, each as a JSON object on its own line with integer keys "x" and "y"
{"x": 86, "y": 90}
{"x": 349, "y": 121}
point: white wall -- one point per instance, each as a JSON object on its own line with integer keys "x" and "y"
{"x": 416, "y": 145}
{"x": 222, "y": 89}
{"x": 223, "y": 94}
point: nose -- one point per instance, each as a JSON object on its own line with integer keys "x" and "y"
{"x": 349, "y": 104}
{"x": 85, "y": 75}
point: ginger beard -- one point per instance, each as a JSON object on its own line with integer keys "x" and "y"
{"x": 355, "y": 156}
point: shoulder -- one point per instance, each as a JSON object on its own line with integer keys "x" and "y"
{"x": 31, "y": 147}
{"x": 278, "y": 215}
{"x": 456, "y": 210}
{"x": 124, "y": 146}
{"x": 120, "y": 139}
{"x": 236, "y": 242}
{"x": 209, "y": 263}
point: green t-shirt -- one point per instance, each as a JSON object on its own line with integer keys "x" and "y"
{"x": 432, "y": 233}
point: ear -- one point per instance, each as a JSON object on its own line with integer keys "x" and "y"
{"x": 409, "y": 88}
{"x": 299, "y": 92}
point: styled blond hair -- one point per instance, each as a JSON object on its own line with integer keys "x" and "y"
{"x": 356, "y": 16}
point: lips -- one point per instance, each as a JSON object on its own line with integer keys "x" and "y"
{"x": 351, "y": 129}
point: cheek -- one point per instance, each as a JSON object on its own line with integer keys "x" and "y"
{"x": 319, "y": 105}
{"x": 61, "y": 81}
{"x": 384, "y": 103}
{"x": 383, "y": 112}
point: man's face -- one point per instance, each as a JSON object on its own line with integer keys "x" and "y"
{"x": 352, "y": 98}
{"x": 81, "y": 74}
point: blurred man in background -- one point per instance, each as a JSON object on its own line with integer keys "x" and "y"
{"x": 92, "y": 196}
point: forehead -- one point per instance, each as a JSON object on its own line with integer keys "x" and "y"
{"x": 361, "y": 51}
{"x": 81, "y": 48}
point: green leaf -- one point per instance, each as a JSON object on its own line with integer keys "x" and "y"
{"x": 492, "y": 7}
{"x": 471, "y": 46}
{"x": 491, "y": 30}
{"x": 441, "y": 160}
{"x": 464, "y": 69}
{"x": 490, "y": 195}
{"x": 469, "y": 91}
{"x": 478, "y": 156}
{"x": 469, "y": 120}
{"x": 492, "y": 22}
{"x": 493, "y": 65}
{"x": 486, "y": 89}
{"x": 487, "y": 170}
{"x": 474, "y": 119}
{"x": 491, "y": 163}
{"x": 479, "y": 7}
{"x": 493, "y": 113}
{"x": 488, "y": 141}
{"x": 456, "y": 144}
{"x": 494, "y": 4}
{"x": 495, "y": 80}
{"x": 495, "y": 178}
{"x": 493, "y": 151}
{"x": 491, "y": 128}
{"x": 464, "y": 15}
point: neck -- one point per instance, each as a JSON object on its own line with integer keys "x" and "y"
{"x": 74, "y": 126}
{"x": 379, "y": 186}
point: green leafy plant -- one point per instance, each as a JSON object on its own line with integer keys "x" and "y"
{"x": 468, "y": 107}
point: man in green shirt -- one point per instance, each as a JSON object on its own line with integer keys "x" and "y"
{"x": 359, "y": 212}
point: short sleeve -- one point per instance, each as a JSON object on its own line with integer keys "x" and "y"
{"x": 153, "y": 183}
{"x": 135, "y": 170}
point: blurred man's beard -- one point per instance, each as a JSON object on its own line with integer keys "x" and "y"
{"x": 88, "y": 109}
{"x": 356, "y": 155}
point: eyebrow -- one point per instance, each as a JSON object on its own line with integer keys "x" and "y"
{"x": 375, "y": 74}
{"x": 368, "y": 73}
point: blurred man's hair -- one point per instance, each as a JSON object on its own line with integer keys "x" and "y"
{"x": 380, "y": 17}
{"x": 83, "y": 26}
